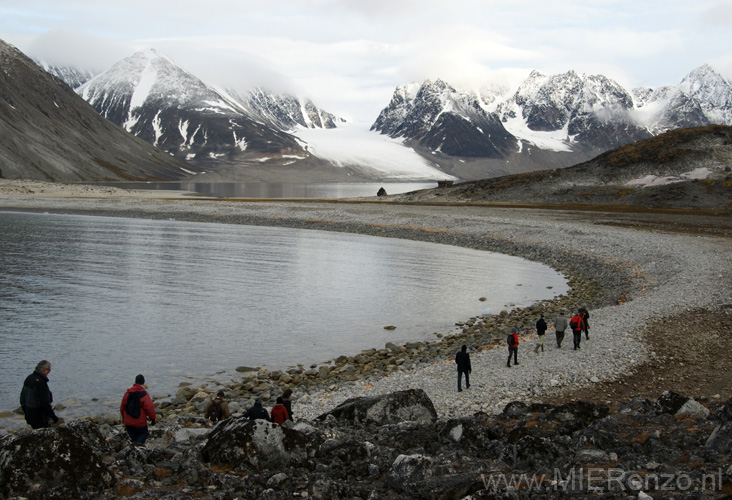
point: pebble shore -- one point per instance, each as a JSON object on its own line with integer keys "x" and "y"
{"x": 627, "y": 277}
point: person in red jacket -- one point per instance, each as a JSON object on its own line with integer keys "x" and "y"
{"x": 513, "y": 343}
{"x": 577, "y": 324}
{"x": 136, "y": 425}
{"x": 279, "y": 412}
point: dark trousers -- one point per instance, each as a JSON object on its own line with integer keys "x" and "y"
{"x": 512, "y": 351}
{"x": 577, "y": 338}
{"x": 137, "y": 434}
{"x": 36, "y": 418}
{"x": 467, "y": 378}
{"x": 560, "y": 337}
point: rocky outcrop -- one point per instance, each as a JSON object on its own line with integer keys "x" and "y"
{"x": 409, "y": 405}
{"x": 54, "y": 463}
{"x": 636, "y": 449}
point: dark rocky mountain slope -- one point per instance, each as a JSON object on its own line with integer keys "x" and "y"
{"x": 682, "y": 168}
{"x": 48, "y": 132}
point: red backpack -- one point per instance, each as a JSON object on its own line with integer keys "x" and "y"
{"x": 576, "y": 322}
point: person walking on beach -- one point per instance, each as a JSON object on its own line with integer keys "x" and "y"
{"x": 577, "y": 325}
{"x": 585, "y": 318}
{"x": 513, "y": 343}
{"x": 217, "y": 408}
{"x": 560, "y": 325}
{"x": 462, "y": 359}
{"x": 136, "y": 407}
{"x": 540, "y": 331}
{"x": 257, "y": 412}
{"x": 286, "y": 395}
{"x": 36, "y": 398}
{"x": 279, "y": 412}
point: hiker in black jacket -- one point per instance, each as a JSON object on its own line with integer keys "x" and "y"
{"x": 541, "y": 327}
{"x": 462, "y": 359}
{"x": 257, "y": 412}
{"x": 36, "y": 397}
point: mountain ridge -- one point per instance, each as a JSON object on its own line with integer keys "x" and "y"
{"x": 47, "y": 132}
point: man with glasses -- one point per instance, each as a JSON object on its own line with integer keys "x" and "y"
{"x": 36, "y": 397}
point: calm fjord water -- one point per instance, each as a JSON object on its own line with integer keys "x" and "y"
{"x": 106, "y": 298}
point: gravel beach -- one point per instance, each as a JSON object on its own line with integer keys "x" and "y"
{"x": 652, "y": 266}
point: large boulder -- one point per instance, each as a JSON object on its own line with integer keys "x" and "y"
{"x": 670, "y": 402}
{"x": 54, "y": 463}
{"x": 721, "y": 438}
{"x": 402, "y": 406}
{"x": 257, "y": 444}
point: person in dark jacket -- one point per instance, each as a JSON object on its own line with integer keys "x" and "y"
{"x": 513, "y": 343}
{"x": 257, "y": 412}
{"x": 36, "y": 398}
{"x": 585, "y": 315}
{"x": 462, "y": 359}
{"x": 279, "y": 412}
{"x": 541, "y": 327}
{"x": 137, "y": 426}
{"x": 286, "y": 395}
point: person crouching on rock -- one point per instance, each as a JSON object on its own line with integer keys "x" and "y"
{"x": 287, "y": 401}
{"x": 136, "y": 407}
{"x": 462, "y": 359}
{"x": 257, "y": 412}
{"x": 217, "y": 408}
{"x": 279, "y": 412}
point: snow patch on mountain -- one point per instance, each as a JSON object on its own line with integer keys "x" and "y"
{"x": 653, "y": 180}
{"x": 552, "y": 140}
{"x": 352, "y": 145}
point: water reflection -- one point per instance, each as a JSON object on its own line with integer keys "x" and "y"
{"x": 325, "y": 190}
{"x": 107, "y": 298}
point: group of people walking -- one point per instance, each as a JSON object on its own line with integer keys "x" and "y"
{"x": 136, "y": 408}
{"x": 578, "y": 323}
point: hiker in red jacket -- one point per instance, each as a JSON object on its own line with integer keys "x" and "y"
{"x": 136, "y": 425}
{"x": 513, "y": 343}
{"x": 577, "y": 324}
{"x": 279, "y": 412}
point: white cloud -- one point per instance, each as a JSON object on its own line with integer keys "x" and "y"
{"x": 349, "y": 55}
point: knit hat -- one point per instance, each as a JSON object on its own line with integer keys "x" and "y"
{"x": 221, "y": 393}
{"x": 140, "y": 379}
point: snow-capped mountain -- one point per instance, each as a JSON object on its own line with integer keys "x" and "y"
{"x": 288, "y": 112}
{"x": 584, "y": 111}
{"x": 569, "y": 115}
{"x": 704, "y": 97}
{"x": 48, "y": 132}
{"x": 160, "y": 102}
{"x": 73, "y": 77}
{"x": 445, "y": 120}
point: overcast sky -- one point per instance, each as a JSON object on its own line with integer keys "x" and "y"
{"x": 349, "y": 55}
